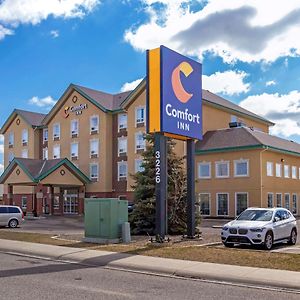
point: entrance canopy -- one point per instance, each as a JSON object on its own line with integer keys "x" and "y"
{"x": 31, "y": 172}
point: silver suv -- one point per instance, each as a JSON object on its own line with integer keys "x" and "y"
{"x": 11, "y": 216}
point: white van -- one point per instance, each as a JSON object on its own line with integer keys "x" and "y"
{"x": 11, "y": 216}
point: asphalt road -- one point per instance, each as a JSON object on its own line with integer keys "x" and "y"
{"x": 30, "y": 278}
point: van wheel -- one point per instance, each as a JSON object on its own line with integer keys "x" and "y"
{"x": 13, "y": 223}
{"x": 268, "y": 244}
{"x": 293, "y": 237}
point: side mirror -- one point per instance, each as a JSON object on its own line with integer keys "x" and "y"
{"x": 276, "y": 219}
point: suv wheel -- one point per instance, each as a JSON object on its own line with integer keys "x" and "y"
{"x": 13, "y": 223}
{"x": 268, "y": 240}
{"x": 293, "y": 237}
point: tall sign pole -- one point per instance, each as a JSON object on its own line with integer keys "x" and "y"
{"x": 190, "y": 166}
{"x": 174, "y": 109}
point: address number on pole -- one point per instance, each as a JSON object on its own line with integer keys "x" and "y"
{"x": 157, "y": 167}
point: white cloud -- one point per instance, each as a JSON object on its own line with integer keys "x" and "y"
{"x": 1, "y": 168}
{"x": 284, "y": 110}
{"x": 1, "y": 138}
{"x": 5, "y": 31}
{"x": 129, "y": 86}
{"x": 1, "y": 148}
{"x": 271, "y": 82}
{"x": 16, "y": 12}
{"x": 54, "y": 33}
{"x": 228, "y": 82}
{"x": 42, "y": 102}
{"x": 242, "y": 30}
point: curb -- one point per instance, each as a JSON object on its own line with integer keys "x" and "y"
{"x": 159, "y": 266}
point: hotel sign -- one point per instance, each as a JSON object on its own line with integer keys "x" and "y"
{"x": 174, "y": 99}
{"x": 74, "y": 109}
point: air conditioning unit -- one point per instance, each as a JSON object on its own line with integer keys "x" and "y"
{"x": 54, "y": 156}
{"x": 56, "y": 135}
{"x": 93, "y": 129}
{"x": 93, "y": 152}
{"x": 74, "y": 132}
{"x": 24, "y": 141}
{"x": 73, "y": 154}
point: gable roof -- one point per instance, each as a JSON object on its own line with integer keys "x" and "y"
{"x": 38, "y": 169}
{"x": 33, "y": 119}
{"x": 244, "y": 138}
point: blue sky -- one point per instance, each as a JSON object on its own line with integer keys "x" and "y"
{"x": 249, "y": 56}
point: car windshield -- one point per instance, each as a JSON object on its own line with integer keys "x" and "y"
{"x": 256, "y": 215}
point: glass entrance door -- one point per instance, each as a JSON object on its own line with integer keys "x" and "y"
{"x": 71, "y": 204}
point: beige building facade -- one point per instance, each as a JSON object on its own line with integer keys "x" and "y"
{"x": 93, "y": 142}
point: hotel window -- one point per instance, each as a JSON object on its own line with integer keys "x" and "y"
{"x": 56, "y": 151}
{"x": 294, "y": 172}
{"x": 24, "y": 153}
{"x": 278, "y": 200}
{"x": 269, "y": 168}
{"x": 139, "y": 141}
{"x": 94, "y": 148}
{"x": 45, "y": 135}
{"x": 24, "y": 137}
{"x": 138, "y": 165}
{"x": 286, "y": 170}
{"x": 122, "y": 170}
{"x": 139, "y": 115}
{"x": 122, "y": 146}
{"x": 74, "y": 151}
{"x": 222, "y": 204}
{"x": 222, "y": 169}
{"x": 233, "y": 118}
{"x": 294, "y": 204}
{"x": 45, "y": 153}
{"x": 278, "y": 170}
{"x": 270, "y": 200}
{"x": 241, "y": 168}
{"x": 204, "y": 170}
{"x": 11, "y": 139}
{"x": 11, "y": 156}
{"x": 94, "y": 124}
{"x": 56, "y": 132}
{"x": 241, "y": 202}
{"x": 287, "y": 201}
{"x": 122, "y": 121}
{"x": 94, "y": 172}
{"x": 24, "y": 202}
{"x": 204, "y": 201}
{"x": 74, "y": 128}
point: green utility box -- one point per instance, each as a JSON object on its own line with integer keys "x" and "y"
{"x": 103, "y": 219}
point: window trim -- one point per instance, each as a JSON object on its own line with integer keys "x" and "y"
{"x": 269, "y": 193}
{"x": 11, "y": 139}
{"x": 59, "y": 131}
{"x": 123, "y": 162}
{"x": 222, "y": 162}
{"x": 209, "y": 201}
{"x": 71, "y": 154}
{"x": 94, "y": 179}
{"x": 281, "y": 200}
{"x": 96, "y": 130}
{"x": 25, "y": 141}
{"x": 217, "y": 204}
{"x": 44, "y": 130}
{"x": 280, "y": 168}
{"x": 126, "y": 150}
{"x": 288, "y": 168}
{"x": 294, "y": 168}
{"x": 98, "y": 148}
{"x": 54, "y": 146}
{"x": 119, "y": 117}
{"x": 272, "y": 168}
{"x": 241, "y": 161}
{"x": 135, "y": 140}
{"x": 198, "y": 168}
{"x": 235, "y": 201}
{"x": 136, "y": 119}
{"x": 71, "y": 131}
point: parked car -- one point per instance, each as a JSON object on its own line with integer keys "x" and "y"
{"x": 261, "y": 226}
{"x": 11, "y": 216}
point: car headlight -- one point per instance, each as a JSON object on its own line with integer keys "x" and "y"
{"x": 225, "y": 228}
{"x": 257, "y": 229}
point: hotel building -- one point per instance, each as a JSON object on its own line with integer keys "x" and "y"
{"x": 91, "y": 142}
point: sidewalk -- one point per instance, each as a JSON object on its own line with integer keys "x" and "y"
{"x": 190, "y": 269}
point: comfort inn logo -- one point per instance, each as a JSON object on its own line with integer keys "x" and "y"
{"x": 179, "y": 91}
{"x": 66, "y": 111}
